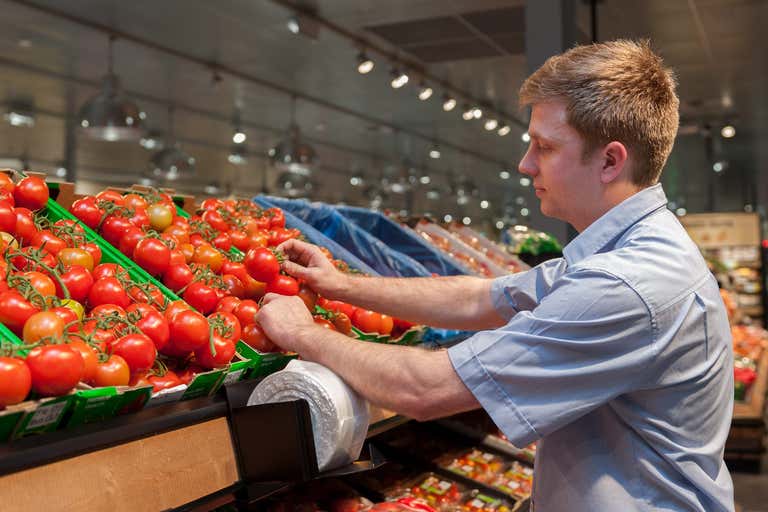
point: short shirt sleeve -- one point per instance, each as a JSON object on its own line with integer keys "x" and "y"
{"x": 589, "y": 340}
{"x": 523, "y": 291}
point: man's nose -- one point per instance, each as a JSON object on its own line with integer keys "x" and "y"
{"x": 527, "y": 165}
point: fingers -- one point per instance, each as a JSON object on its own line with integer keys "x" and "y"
{"x": 295, "y": 270}
{"x": 270, "y": 297}
{"x": 298, "y": 251}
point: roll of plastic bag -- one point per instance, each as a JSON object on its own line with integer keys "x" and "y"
{"x": 339, "y": 415}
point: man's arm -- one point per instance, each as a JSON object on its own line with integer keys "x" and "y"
{"x": 417, "y": 383}
{"x": 458, "y": 302}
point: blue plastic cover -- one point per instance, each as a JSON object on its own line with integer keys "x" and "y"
{"x": 376, "y": 254}
{"x": 316, "y": 237}
{"x": 402, "y": 240}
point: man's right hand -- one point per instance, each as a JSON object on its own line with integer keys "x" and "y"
{"x": 307, "y": 262}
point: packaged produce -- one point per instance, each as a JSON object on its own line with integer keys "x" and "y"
{"x": 516, "y": 481}
{"x": 479, "y": 502}
{"x": 436, "y": 490}
{"x": 476, "y": 464}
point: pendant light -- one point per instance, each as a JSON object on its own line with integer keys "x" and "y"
{"x": 292, "y": 154}
{"x": 109, "y": 115}
{"x": 171, "y": 162}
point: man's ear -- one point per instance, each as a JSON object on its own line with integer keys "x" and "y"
{"x": 615, "y": 161}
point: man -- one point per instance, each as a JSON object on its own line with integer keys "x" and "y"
{"x": 616, "y": 357}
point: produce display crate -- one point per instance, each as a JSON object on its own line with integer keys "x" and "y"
{"x": 87, "y": 405}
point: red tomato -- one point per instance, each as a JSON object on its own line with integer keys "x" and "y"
{"x": 342, "y": 323}
{"x": 227, "y": 304}
{"x": 222, "y": 242}
{"x": 95, "y": 252}
{"x": 216, "y": 221}
{"x": 189, "y": 330}
{"x": 201, "y": 297}
{"x": 180, "y": 232}
{"x": 225, "y": 350}
{"x": 67, "y": 315}
{"x": 113, "y": 372}
{"x": 31, "y": 192}
{"x": 337, "y": 306}
{"x": 137, "y": 349}
{"x": 140, "y": 219}
{"x": 15, "y": 379}
{"x": 90, "y": 358}
{"x": 178, "y": 276}
{"x": 254, "y": 289}
{"x": 87, "y": 211}
{"x": 262, "y": 264}
{"x": 246, "y": 311}
{"x": 107, "y": 270}
{"x": 26, "y": 263}
{"x": 55, "y": 369}
{"x": 78, "y": 282}
{"x": 325, "y": 324}
{"x": 152, "y": 323}
{"x": 233, "y": 286}
{"x": 152, "y": 255}
{"x": 45, "y": 239}
{"x": 131, "y": 237}
{"x": 15, "y": 310}
{"x": 108, "y": 290}
{"x": 207, "y": 204}
{"x": 25, "y": 228}
{"x": 158, "y": 382}
{"x": 236, "y": 269}
{"x": 107, "y": 309}
{"x": 111, "y": 195}
{"x": 177, "y": 258}
{"x": 367, "y": 321}
{"x": 276, "y": 218}
{"x": 113, "y": 228}
{"x": 7, "y": 218}
{"x": 174, "y": 308}
{"x": 101, "y": 336}
{"x": 239, "y": 239}
{"x": 232, "y": 324}
{"x": 254, "y": 337}
{"x": 283, "y": 285}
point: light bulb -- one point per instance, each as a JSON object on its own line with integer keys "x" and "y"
{"x": 525, "y": 137}
{"x": 504, "y": 130}
{"x": 425, "y": 92}
{"x": 364, "y": 64}
{"x": 491, "y": 124}
{"x": 448, "y": 103}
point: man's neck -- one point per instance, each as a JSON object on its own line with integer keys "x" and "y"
{"x": 613, "y": 196}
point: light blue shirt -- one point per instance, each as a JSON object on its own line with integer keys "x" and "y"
{"x": 617, "y": 358}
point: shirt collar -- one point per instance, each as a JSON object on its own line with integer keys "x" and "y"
{"x": 614, "y": 222}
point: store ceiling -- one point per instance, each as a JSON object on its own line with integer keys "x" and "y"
{"x": 716, "y": 46}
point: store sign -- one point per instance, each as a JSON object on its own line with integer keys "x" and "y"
{"x": 716, "y": 230}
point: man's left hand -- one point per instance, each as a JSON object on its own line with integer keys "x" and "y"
{"x": 283, "y": 319}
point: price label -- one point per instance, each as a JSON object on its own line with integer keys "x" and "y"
{"x": 46, "y": 415}
{"x": 233, "y": 376}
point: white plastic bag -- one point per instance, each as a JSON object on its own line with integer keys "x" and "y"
{"x": 339, "y": 415}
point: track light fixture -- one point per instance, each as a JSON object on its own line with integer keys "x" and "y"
{"x": 504, "y": 130}
{"x": 491, "y": 124}
{"x": 728, "y": 131}
{"x": 468, "y": 113}
{"x": 448, "y": 103}
{"x": 425, "y": 91}
{"x": 364, "y": 63}
{"x": 399, "y": 78}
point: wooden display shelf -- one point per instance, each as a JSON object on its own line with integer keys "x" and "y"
{"x": 155, "y": 460}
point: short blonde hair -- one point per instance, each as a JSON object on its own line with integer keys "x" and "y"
{"x": 618, "y": 90}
